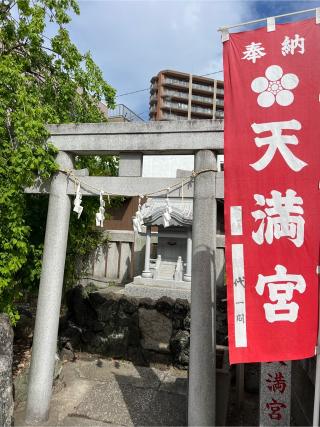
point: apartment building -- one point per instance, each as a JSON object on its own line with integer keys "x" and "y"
{"x": 182, "y": 96}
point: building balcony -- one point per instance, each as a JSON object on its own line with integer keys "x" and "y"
{"x": 176, "y": 82}
{"x": 219, "y": 91}
{"x": 203, "y": 88}
{"x": 168, "y": 116}
{"x": 175, "y": 94}
{"x": 202, "y": 99}
{"x": 220, "y": 102}
{"x": 219, "y": 114}
{"x": 201, "y": 110}
{"x": 176, "y": 105}
{"x": 153, "y": 87}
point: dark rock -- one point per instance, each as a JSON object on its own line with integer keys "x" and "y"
{"x": 98, "y": 326}
{"x": 179, "y": 345}
{"x": 81, "y": 310}
{"x": 181, "y": 307}
{"x": 181, "y": 312}
{"x": 177, "y": 323}
{"x": 67, "y": 354}
{"x": 164, "y": 305}
{"x": 6, "y": 348}
{"x": 99, "y": 344}
{"x": 134, "y": 336}
{"x": 147, "y": 303}
{"x": 63, "y": 323}
{"x": 118, "y": 342}
{"x": 109, "y": 309}
{"x": 71, "y": 334}
{"x": 97, "y": 298}
{"x": 25, "y": 325}
{"x": 128, "y": 305}
{"x": 156, "y": 330}
{"x": 125, "y": 319}
{"x": 6, "y": 336}
{"x": 186, "y": 322}
{"x": 88, "y": 336}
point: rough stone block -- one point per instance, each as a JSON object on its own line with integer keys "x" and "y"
{"x": 80, "y": 307}
{"x": 180, "y": 348}
{"x": 6, "y": 398}
{"x": 165, "y": 306}
{"x": 156, "y": 330}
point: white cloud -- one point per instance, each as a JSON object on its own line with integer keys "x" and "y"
{"x": 134, "y": 40}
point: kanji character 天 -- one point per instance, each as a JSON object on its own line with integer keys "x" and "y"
{"x": 279, "y": 142}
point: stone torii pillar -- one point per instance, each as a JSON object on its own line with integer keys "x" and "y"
{"x": 49, "y": 298}
{"x": 202, "y": 363}
{"x": 130, "y": 139}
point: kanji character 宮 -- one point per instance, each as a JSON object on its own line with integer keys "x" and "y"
{"x": 281, "y": 218}
{"x": 275, "y": 408}
{"x": 253, "y": 52}
{"x": 281, "y": 286}
{"x": 276, "y": 382}
{"x": 279, "y": 142}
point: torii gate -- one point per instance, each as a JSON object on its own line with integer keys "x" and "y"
{"x": 204, "y": 139}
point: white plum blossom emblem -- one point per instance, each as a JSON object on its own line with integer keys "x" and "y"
{"x": 275, "y": 87}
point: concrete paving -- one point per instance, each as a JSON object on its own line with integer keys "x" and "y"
{"x": 106, "y": 392}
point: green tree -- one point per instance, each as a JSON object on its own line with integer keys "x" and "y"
{"x": 42, "y": 81}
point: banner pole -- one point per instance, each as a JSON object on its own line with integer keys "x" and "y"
{"x": 316, "y": 404}
{"x": 228, "y": 27}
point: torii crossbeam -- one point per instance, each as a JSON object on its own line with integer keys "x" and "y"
{"x": 204, "y": 139}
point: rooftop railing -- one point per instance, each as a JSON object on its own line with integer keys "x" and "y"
{"x": 122, "y": 111}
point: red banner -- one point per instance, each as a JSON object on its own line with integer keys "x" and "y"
{"x": 272, "y": 209}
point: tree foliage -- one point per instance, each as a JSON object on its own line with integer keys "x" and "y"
{"x": 42, "y": 81}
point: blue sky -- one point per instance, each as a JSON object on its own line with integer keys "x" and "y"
{"x": 133, "y": 40}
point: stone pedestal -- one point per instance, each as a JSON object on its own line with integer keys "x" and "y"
{"x": 275, "y": 394}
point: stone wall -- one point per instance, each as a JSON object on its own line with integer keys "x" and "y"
{"x": 6, "y": 346}
{"x": 141, "y": 330}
